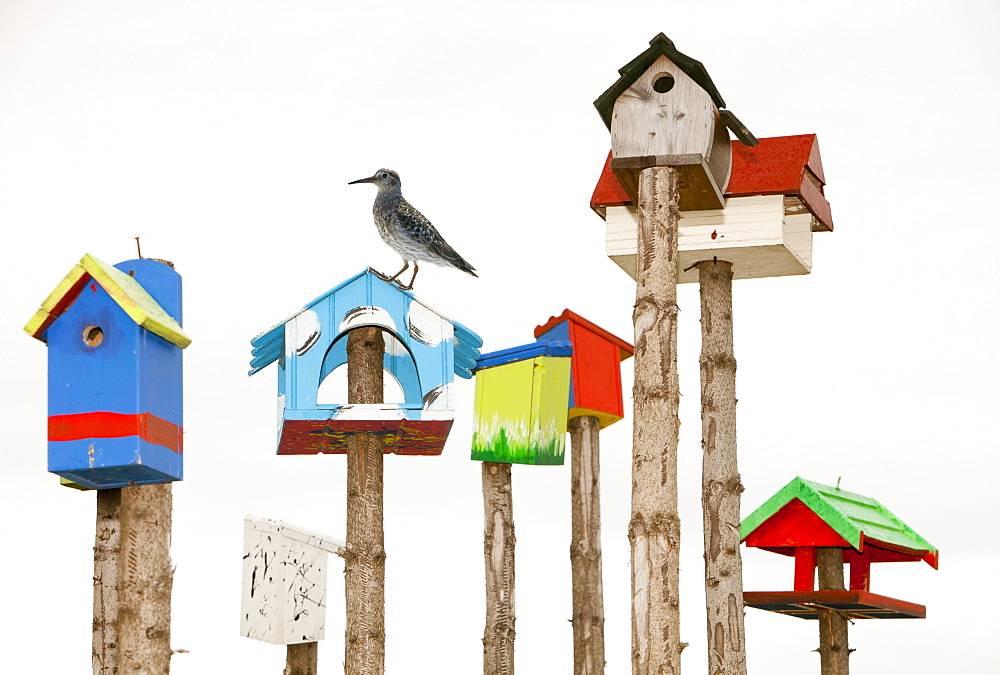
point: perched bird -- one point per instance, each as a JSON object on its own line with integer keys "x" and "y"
{"x": 407, "y": 231}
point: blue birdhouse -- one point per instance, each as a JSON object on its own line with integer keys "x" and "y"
{"x": 424, "y": 351}
{"x": 115, "y": 373}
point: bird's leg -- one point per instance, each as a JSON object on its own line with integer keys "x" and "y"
{"x": 394, "y": 276}
{"x": 409, "y": 287}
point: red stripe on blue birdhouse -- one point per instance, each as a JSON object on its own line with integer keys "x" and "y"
{"x": 104, "y": 424}
{"x": 115, "y": 373}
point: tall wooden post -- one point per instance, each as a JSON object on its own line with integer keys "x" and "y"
{"x": 833, "y": 648}
{"x": 302, "y": 659}
{"x": 364, "y": 559}
{"x": 654, "y": 530}
{"x": 145, "y": 579}
{"x": 721, "y": 487}
{"x": 498, "y": 541}
{"x": 133, "y": 580}
{"x": 585, "y": 547}
{"x": 107, "y": 547}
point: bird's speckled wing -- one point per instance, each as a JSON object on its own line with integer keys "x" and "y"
{"x": 421, "y": 232}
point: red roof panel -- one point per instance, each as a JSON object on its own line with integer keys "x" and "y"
{"x": 779, "y": 165}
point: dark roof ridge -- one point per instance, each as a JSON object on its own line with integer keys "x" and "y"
{"x": 660, "y": 45}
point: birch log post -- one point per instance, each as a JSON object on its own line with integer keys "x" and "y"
{"x": 107, "y": 547}
{"x": 833, "y": 648}
{"x": 721, "y": 486}
{"x": 364, "y": 557}
{"x": 654, "y": 529}
{"x": 585, "y": 547}
{"x": 302, "y": 659}
{"x": 145, "y": 580}
{"x": 498, "y": 541}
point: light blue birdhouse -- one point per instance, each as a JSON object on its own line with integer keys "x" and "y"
{"x": 424, "y": 351}
{"x": 115, "y": 373}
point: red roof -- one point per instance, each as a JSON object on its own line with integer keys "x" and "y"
{"x": 625, "y": 349}
{"x": 788, "y": 165}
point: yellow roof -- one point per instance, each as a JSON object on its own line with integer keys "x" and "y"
{"x": 122, "y": 288}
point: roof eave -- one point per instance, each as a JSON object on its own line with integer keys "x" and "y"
{"x": 127, "y": 293}
{"x": 659, "y": 46}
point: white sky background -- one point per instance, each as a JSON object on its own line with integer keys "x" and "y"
{"x": 224, "y": 133}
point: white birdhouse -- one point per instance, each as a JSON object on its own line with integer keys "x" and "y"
{"x": 664, "y": 110}
{"x": 284, "y": 582}
{"x": 774, "y": 203}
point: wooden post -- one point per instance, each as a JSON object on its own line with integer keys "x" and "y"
{"x": 364, "y": 558}
{"x": 107, "y": 545}
{"x": 498, "y": 541}
{"x": 654, "y": 530}
{"x": 833, "y": 648}
{"x": 145, "y": 579}
{"x": 585, "y": 547}
{"x": 302, "y": 659}
{"x": 721, "y": 486}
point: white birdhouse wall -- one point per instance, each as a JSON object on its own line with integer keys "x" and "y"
{"x": 763, "y": 236}
{"x": 284, "y": 589}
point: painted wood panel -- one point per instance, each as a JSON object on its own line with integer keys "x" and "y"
{"x": 115, "y": 384}
{"x": 596, "y": 387}
{"x": 757, "y": 234}
{"x": 521, "y": 411}
{"x": 284, "y": 582}
{"x": 424, "y": 352}
{"x": 788, "y": 165}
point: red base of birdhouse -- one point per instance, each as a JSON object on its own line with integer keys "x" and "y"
{"x": 402, "y": 437}
{"x": 853, "y": 604}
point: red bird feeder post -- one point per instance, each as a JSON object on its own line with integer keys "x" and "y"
{"x": 824, "y": 527}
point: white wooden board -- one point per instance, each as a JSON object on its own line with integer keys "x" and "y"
{"x": 763, "y": 236}
{"x": 284, "y": 582}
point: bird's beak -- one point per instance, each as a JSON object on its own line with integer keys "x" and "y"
{"x": 370, "y": 179}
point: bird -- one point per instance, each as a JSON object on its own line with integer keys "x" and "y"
{"x": 407, "y": 231}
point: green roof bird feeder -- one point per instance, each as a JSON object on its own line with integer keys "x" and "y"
{"x": 805, "y": 516}
{"x": 521, "y": 411}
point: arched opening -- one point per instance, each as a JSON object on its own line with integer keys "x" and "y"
{"x": 333, "y": 388}
{"x": 401, "y": 383}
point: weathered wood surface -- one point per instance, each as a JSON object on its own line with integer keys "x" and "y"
{"x": 302, "y": 659}
{"x": 585, "y": 546}
{"x": 107, "y": 547}
{"x": 833, "y": 647}
{"x": 498, "y": 548}
{"x": 145, "y": 580}
{"x": 676, "y": 122}
{"x": 699, "y": 189}
{"x": 721, "y": 486}
{"x": 364, "y": 557}
{"x": 654, "y": 529}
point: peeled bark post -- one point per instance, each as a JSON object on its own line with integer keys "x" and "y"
{"x": 145, "y": 579}
{"x": 654, "y": 529}
{"x": 498, "y": 544}
{"x": 585, "y": 547}
{"x": 364, "y": 557}
{"x": 721, "y": 486}
{"x": 107, "y": 549}
{"x": 833, "y": 648}
{"x": 302, "y": 659}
